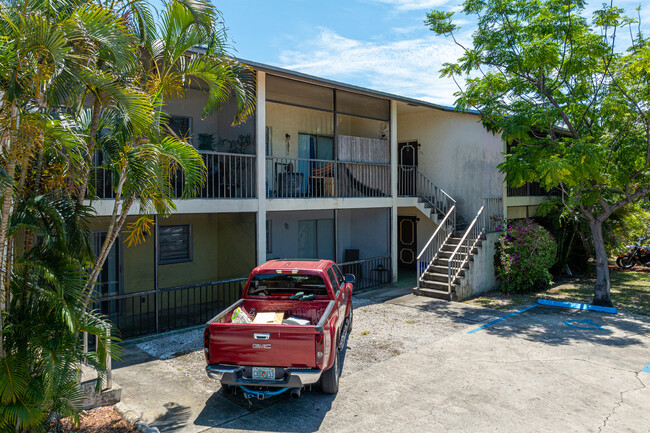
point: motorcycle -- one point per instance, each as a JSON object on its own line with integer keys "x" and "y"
{"x": 636, "y": 254}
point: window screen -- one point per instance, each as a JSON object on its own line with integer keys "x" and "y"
{"x": 182, "y": 126}
{"x": 175, "y": 243}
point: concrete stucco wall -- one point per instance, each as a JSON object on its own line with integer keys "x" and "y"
{"x": 236, "y": 247}
{"x": 480, "y": 277}
{"x": 367, "y": 230}
{"x": 223, "y": 247}
{"x": 457, "y": 154}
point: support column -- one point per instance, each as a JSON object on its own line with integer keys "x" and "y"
{"x": 156, "y": 260}
{"x": 260, "y": 152}
{"x": 393, "y": 188}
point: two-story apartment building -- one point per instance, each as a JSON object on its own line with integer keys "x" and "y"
{"x": 380, "y": 183}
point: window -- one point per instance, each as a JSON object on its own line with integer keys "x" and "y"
{"x": 268, "y": 237}
{"x": 339, "y": 275}
{"x": 182, "y": 126}
{"x": 175, "y": 244}
{"x": 287, "y": 285}
{"x": 332, "y": 277}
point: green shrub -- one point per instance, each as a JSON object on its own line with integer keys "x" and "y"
{"x": 524, "y": 256}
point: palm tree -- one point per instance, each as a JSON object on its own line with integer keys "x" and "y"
{"x": 55, "y": 56}
{"x": 39, "y": 374}
{"x": 188, "y": 46}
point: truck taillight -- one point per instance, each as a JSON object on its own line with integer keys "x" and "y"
{"x": 206, "y": 343}
{"x": 320, "y": 349}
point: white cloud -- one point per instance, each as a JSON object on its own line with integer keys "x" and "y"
{"x": 405, "y": 67}
{"x": 409, "y": 5}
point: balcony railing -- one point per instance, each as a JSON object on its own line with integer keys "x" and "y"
{"x": 530, "y": 189}
{"x": 314, "y": 178}
{"x": 228, "y": 176}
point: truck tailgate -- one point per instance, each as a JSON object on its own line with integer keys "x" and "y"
{"x": 262, "y": 345}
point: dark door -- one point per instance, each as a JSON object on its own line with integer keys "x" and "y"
{"x": 407, "y": 163}
{"x": 407, "y": 245}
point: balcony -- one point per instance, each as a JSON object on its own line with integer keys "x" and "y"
{"x": 530, "y": 189}
{"x": 229, "y": 175}
{"x": 320, "y": 178}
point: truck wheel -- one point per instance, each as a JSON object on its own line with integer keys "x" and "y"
{"x": 330, "y": 380}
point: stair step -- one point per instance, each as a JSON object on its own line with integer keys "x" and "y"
{"x": 439, "y": 269}
{"x": 435, "y": 285}
{"x": 438, "y": 294}
{"x": 435, "y": 276}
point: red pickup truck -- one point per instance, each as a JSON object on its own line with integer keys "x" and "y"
{"x": 309, "y": 306}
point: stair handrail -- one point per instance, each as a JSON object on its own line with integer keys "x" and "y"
{"x": 430, "y": 251}
{"x": 455, "y": 265}
{"x": 436, "y": 196}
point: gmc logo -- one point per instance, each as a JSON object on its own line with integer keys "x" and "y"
{"x": 261, "y": 346}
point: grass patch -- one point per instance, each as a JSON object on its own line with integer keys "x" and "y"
{"x": 630, "y": 292}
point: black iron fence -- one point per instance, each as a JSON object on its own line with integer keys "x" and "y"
{"x": 153, "y": 311}
{"x": 369, "y": 272}
{"x": 530, "y": 189}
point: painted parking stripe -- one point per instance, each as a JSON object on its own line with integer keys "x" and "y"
{"x": 646, "y": 369}
{"x": 487, "y": 325}
{"x": 577, "y": 306}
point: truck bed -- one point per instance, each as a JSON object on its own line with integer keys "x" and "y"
{"x": 267, "y": 345}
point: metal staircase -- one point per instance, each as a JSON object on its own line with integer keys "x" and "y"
{"x": 448, "y": 254}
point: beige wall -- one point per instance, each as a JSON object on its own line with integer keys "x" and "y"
{"x": 218, "y": 124}
{"x": 223, "y": 247}
{"x": 286, "y": 119}
{"x": 457, "y": 154}
{"x": 236, "y": 252}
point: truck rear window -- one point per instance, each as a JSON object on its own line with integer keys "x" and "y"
{"x": 287, "y": 285}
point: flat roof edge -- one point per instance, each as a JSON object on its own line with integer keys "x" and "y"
{"x": 288, "y": 73}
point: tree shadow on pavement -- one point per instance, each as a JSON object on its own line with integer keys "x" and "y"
{"x": 550, "y": 325}
{"x": 175, "y": 418}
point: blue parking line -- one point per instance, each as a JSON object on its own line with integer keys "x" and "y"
{"x": 577, "y": 306}
{"x": 646, "y": 369}
{"x": 500, "y": 319}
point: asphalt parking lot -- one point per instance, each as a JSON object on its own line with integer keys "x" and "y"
{"x": 417, "y": 364}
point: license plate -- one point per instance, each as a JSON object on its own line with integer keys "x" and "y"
{"x": 263, "y": 373}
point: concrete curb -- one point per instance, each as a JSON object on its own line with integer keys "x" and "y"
{"x": 134, "y": 419}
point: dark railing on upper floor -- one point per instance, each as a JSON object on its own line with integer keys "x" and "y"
{"x": 229, "y": 175}
{"x": 318, "y": 178}
{"x": 530, "y": 189}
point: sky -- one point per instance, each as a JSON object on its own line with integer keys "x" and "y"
{"x": 379, "y": 44}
